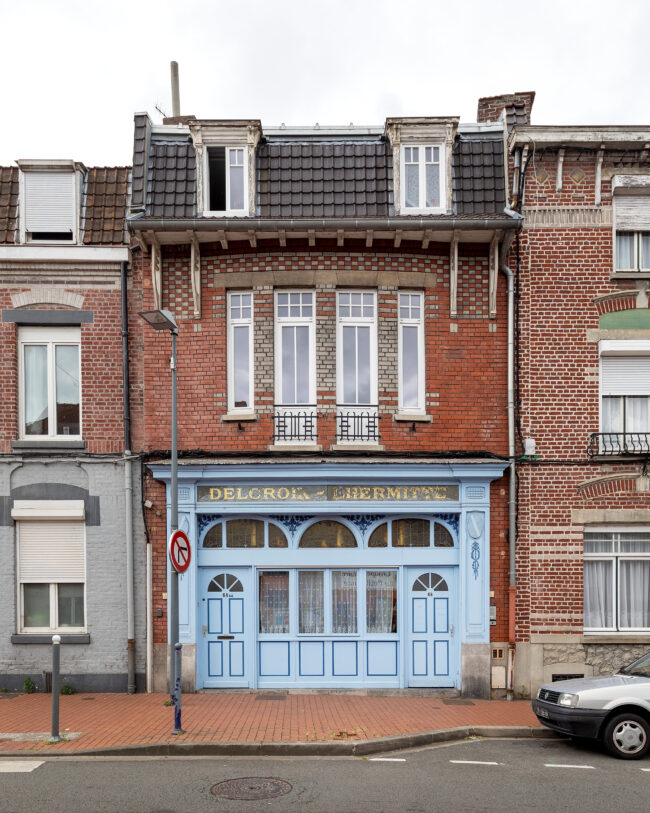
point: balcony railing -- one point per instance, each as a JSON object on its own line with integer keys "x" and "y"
{"x": 618, "y": 443}
{"x": 357, "y": 424}
{"x": 294, "y": 424}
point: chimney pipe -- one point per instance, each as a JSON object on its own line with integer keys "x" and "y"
{"x": 176, "y": 95}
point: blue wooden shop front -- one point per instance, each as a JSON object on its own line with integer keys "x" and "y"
{"x": 334, "y": 575}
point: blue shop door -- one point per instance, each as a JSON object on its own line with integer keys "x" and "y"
{"x": 223, "y": 650}
{"x": 431, "y": 650}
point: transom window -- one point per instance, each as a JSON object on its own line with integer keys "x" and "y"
{"x": 328, "y": 534}
{"x": 422, "y": 178}
{"x": 411, "y": 532}
{"x": 617, "y": 580}
{"x": 430, "y": 581}
{"x": 245, "y": 533}
{"x": 225, "y": 582}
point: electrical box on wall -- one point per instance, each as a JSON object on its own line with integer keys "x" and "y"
{"x": 493, "y": 615}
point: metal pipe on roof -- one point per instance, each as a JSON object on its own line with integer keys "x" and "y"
{"x": 176, "y": 92}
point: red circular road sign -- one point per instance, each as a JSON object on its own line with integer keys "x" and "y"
{"x": 180, "y": 553}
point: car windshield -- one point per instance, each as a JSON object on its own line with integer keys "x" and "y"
{"x": 640, "y": 667}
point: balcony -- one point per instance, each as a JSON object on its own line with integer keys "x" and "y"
{"x": 616, "y": 444}
{"x": 294, "y": 424}
{"x": 357, "y": 424}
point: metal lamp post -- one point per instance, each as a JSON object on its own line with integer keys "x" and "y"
{"x": 164, "y": 320}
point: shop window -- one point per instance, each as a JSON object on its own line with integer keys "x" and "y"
{"x": 411, "y": 533}
{"x": 223, "y": 582}
{"x": 240, "y": 353}
{"x": 311, "y": 602}
{"x": 274, "y": 602}
{"x": 328, "y": 534}
{"x": 313, "y": 587}
{"x": 381, "y": 602}
{"x": 50, "y": 382}
{"x": 214, "y": 537}
{"x": 277, "y": 537}
{"x": 245, "y": 533}
{"x": 344, "y": 602}
{"x": 617, "y": 580}
{"x": 379, "y": 537}
{"x": 430, "y": 581}
{"x": 411, "y": 353}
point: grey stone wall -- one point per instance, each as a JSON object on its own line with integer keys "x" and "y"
{"x": 100, "y": 664}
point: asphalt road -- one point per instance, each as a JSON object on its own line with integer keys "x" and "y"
{"x": 475, "y": 775}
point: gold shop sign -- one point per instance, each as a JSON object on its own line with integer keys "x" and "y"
{"x": 359, "y": 493}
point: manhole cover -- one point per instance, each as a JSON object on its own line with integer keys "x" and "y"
{"x": 251, "y": 788}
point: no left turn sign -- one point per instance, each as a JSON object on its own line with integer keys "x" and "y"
{"x": 180, "y": 552}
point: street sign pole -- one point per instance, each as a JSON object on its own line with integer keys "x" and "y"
{"x": 173, "y": 583}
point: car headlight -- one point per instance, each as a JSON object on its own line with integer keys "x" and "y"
{"x": 566, "y": 699}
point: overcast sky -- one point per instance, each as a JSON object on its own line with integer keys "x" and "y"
{"x": 74, "y": 71}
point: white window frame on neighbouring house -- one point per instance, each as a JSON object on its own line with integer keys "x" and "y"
{"x": 616, "y": 549}
{"x": 422, "y": 156}
{"x": 295, "y": 320}
{"x": 624, "y": 393}
{"x": 235, "y": 160}
{"x": 241, "y": 311}
{"x": 49, "y": 193}
{"x": 410, "y": 320}
{"x": 50, "y": 554}
{"x": 48, "y": 338}
{"x": 631, "y": 224}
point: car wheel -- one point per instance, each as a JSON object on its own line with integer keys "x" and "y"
{"x": 627, "y": 736}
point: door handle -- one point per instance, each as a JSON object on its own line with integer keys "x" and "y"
{"x": 205, "y": 629}
{"x": 451, "y": 630}
{"x": 225, "y": 637}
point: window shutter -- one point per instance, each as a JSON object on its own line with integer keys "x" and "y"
{"x": 51, "y": 551}
{"x": 49, "y": 201}
{"x": 632, "y": 212}
{"x": 625, "y": 376}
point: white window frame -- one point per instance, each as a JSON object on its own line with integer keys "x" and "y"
{"x": 408, "y": 321}
{"x": 232, "y": 323}
{"x": 639, "y": 262}
{"x": 615, "y": 557}
{"x": 51, "y": 337}
{"x": 29, "y": 511}
{"x": 624, "y": 349}
{"x": 228, "y": 212}
{"x": 422, "y": 189}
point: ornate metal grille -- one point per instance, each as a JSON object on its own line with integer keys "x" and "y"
{"x": 619, "y": 443}
{"x": 289, "y": 425}
{"x": 357, "y": 424}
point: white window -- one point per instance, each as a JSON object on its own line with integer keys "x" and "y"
{"x": 625, "y": 396}
{"x": 422, "y": 178}
{"x": 227, "y": 187}
{"x": 51, "y": 575}
{"x": 49, "y": 205}
{"x": 411, "y": 352}
{"x": 617, "y": 579}
{"x": 632, "y": 232}
{"x": 357, "y": 366}
{"x": 240, "y": 353}
{"x": 295, "y": 365}
{"x": 50, "y": 382}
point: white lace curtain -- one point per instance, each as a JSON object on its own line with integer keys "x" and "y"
{"x": 598, "y": 610}
{"x": 344, "y": 602}
{"x": 381, "y": 601}
{"x": 635, "y": 593}
{"x": 274, "y": 602}
{"x": 311, "y": 616}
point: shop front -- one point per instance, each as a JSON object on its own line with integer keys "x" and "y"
{"x": 336, "y": 575}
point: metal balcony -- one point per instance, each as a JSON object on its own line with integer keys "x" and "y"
{"x": 613, "y": 444}
{"x": 356, "y": 424}
{"x": 294, "y": 424}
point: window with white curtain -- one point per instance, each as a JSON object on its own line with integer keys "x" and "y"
{"x": 411, "y": 352}
{"x": 240, "y": 353}
{"x": 617, "y": 579}
{"x": 50, "y": 382}
{"x": 381, "y": 602}
{"x": 51, "y": 575}
{"x": 274, "y": 602}
{"x": 422, "y": 179}
{"x": 625, "y": 395}
{"x": 632, "y": 245}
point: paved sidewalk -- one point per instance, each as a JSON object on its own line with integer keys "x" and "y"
{"x": 253, "y": 723}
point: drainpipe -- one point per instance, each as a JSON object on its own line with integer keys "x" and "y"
{"x": 128, "y": 491}
{"x": 512, "y": 495}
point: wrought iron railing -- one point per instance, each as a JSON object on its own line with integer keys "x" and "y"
{"x": 618, "y": 443}
{"x": 294, "y": 424}
{"x": 358, "y": 424}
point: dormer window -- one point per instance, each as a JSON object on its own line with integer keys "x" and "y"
{"x": 227, "y": 180}
{"x": 49, "y": 201}
{"x": 421, "y": 173}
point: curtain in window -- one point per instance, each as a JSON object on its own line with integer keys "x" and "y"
{"x": 311, "y": 612}
{"x": 36, "y": 389}
{"x": 295, "y": 364}
{"x": 274, "y": 602}
{"x": 410, "y": 366}
{"x": 344, "y": 602}
{"x": 624, "y": 250}
{"x": 634, "y": 593}
{"x": 381, "y": 601}
{"x": 598, "y": 606}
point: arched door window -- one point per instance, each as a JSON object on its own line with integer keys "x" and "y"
{"x": 430, "y": 581}
{"x": 225, "y": 581}
{"x": 328, "y": 534}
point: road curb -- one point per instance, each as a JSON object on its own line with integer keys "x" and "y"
{"x": 330, "y": 748}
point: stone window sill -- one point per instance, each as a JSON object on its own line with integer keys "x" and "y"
{"x": 616, "y": 638}
{"x": 234, "y": 417}
{"x": 48, "y": 445}
{"x": 630, "y": 275}
{"x": 412, "y": 417}
{"x": 295, "y": 447}
{"x": 46, "y": 638}
{"x": 357, "y": 447}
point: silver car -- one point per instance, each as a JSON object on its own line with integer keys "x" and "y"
{"x": 615, "y": 709}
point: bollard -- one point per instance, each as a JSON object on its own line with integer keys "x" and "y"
{"x": 56, "y": 681}
{"x": 178, "y": 649}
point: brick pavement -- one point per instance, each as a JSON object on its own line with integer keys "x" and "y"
{"x": 114, "y": 720}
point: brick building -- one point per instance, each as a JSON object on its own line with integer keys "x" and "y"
{"x": 583, "y": 546}
{"x": 67, "y": 524}
{"x": 343, "y": 428}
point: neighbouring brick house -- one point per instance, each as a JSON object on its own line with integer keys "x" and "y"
{"x": 583, "y": 547}
{"x": 65, "y": 494}
{"x": 342, "y": 366}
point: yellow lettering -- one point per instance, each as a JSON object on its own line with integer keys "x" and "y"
{"x": 393, "y": 493}
{"x": 215, "y": 494}
{"x": 364, "y": 493}
{"x": 269, "y": 493}
{"x": 255, "y": 494}
{"x": 283, "y": 493}
{"x": 229, "y": 493}
{"x": 380, "y": 493}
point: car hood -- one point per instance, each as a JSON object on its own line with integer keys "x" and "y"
{"x": 586, "y": 684}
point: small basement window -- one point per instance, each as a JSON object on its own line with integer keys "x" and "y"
{"x": 227, "y": 180}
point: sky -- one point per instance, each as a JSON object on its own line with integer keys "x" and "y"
{"x": 75, "y": 71}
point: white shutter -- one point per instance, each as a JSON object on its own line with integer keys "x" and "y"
{"x": 625, "y": 376}
{"x": 632, "y": 212}
{"x": 49, "y": 201}
{"x": 51, "y": 551}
